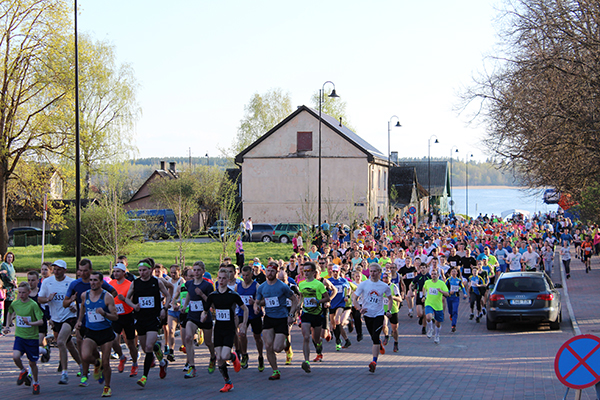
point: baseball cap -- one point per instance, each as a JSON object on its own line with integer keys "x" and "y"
{"x": 335, "y": 267}
{"x": 120, "y": 266}
{"x": 60, "y": 263}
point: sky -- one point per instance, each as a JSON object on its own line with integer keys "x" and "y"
{"x": 198, "y": 63}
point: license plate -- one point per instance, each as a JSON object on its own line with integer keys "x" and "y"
{"x": 520, "y": 302}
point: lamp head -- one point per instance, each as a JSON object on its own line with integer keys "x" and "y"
{"x": 333, "y": 94}
{"x": 436, "y": 141}
{"x": 398, "y": 124}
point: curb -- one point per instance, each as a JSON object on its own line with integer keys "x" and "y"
{"x": 563, "y": 276}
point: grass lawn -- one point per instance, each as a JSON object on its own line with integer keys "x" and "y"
{"x": 30, "y": 257}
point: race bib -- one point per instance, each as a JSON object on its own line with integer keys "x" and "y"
{"x": 246, "y": 299}
{"x": 420, "y": 294}
{"x": 146, "y": 302}
{"x": 374, "y": 299}
{"x": 385, "y": 301}
{"x": 433, "y": 291}
{"x": 340, "y": 289}
{"x": 453, "y": 263}
{"x": 223, "y": 315}
{"x": 410, "y": 275}
{"x": 467, "y": 270}
{"x": 310, "y": 302}
{"x": 271, "y": 302}
{"x": 454, "y": 288}
{"x": 93, "y": 316}
{"x": 288, "y": 303}
{"x": 588, "y": 249}
{"x": 21, "y": 322}
{"x": 196, "y": 306}
{"x": 120, "y": 308}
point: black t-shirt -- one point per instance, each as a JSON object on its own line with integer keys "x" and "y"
{"x": 224, "y": 304}
{"x": 455, "y": 261}
{"x": 147, "y": 295}
{"x": 467, "y": 266}
{"x": 197, "y": 304}
{"x": 260, "y": 278}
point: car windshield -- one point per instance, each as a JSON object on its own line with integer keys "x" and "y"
{"x": 521, "y": 284}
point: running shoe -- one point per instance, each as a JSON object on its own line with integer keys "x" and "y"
{"x": 134, "y": 371}
{"x": 423, "y": 331}
{"x": 101, "y": 380}
{"x": 395, "y": 347}
{"x": 359, "y": 337}
{"x": 471, "y": 316}
{"x": 372, "y": 366}
{"x": 327, "y": 336}
{"x": 36, "y": 388}
{"x": 170, "y": 355}
{"x": 261, "y": 364}
{"x": 46, "y": 357}
{"x": 29, "y": 380}
{"x": 22, "y": 378}
{"x": 318, "y": 358}
{"x": 227, "y": 388}
{"x": 288, "y": 356}
{"x": 142, "y": 381}
{"x": 453, "y": 329}
{"x": 106, "y": 392}
{"x": 211, "y": 365}
{"x": 186, "y": 367}
{"x": 236, "y": 363}
{"x": 244, "y": 361}
{"x": 477, "y": 319}
{"x": 386, "y": 340}
{"x": 201, "y": 339}
{"x": 347, "y": 344}
{"x": 436, "y": 340}
{"x": 429, "y": 333}
{"x": 121, "y": 366}
{"x": 64, "y": 380}
{"x": 350, "y": 326}
{"x": 191, "y": 373}
{"x": 276, "y": 376}
{"x": 338, "y": 347}
{"x": 97, "y": 370}
{"x": 306, "y": 367}
{"x": 84, "y": 382}
{"x": 410, "y": 314}
{"x": 163, "y": 369}
{"x": 381, "y": 349}
{"x": 182, "y": 349}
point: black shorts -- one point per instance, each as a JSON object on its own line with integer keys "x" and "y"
{"x": 100, "y": 337}
{"x": 586, "y": 256}
{"x": 394, "y": 318}
{"x": 58, "y": 326}
{"x": 223, "y": 338}
{"x": 126, "y": 324}
{"x": 256, "y": 323}
{"x": 374, "y": 326}
{"x": 332, "y": 311}
{"x": 44, "y": 327}
{"x": 208, "y": 324}
{"x": 183, "y": 319}
{"x": 279, "y": 325}
{"x": 143, "y": 326}
{"x": 419, "y": 300}
{"x": 315, "y": 320}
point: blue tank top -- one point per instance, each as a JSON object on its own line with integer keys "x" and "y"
{"x": 246, "y": 295}
{"x": 93, "y": 320}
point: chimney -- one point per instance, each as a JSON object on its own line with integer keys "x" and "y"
{"x": 172, "y": 167}
{"x": 162, "y": 165}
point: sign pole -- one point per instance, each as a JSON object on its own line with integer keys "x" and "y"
{"x": 44, "y": 224}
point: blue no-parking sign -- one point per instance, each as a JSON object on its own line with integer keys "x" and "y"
{"x": 577, "y": 363}
{"x": 412, "y": 210}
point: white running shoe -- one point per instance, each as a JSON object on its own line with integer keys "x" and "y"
{"x": 436, "y": 340}
{"x": 429, "y": 333}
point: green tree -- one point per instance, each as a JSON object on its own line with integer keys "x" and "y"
{"x": 33, "y": 86}
{"x": 332, "y": 106}
{"x": 262, "y": 113}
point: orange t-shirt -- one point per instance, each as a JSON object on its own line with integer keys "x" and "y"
{"x": 587, "y": 247}
{"x": 123, "y": 288}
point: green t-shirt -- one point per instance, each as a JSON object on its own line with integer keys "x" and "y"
{"x": 386, "y": 301}
{"x": 384, "y": 260}
{"x": 434, "y": 297}
{"x": 312, "y": 292}
{"x": 30, "y": 311}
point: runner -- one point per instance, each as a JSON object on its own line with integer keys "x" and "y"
{"x": 53, "y": 292}
{"x": 434, "y": 290}
{"x": 371, "y": 293}
{"x": 29, "y": 317}
{"x": 476, "y": 282}
{"x": 177, "y": 302}
{"x": 125, "y": 321}
{"x": 176, "y": 280}
{"x": 95, "y": 315}
{"x": 417, "y": 288}
{"x": 587, "y": 249}
{"x": 313, "y": 294}
{"x": 144, "y": 297}
{"x": 273, "y": 296}
{"x": 33, "y": 278}
{"x": 198, "y": 290}
{"x": 247, "y": 291}
{"x": 390, "y": 306}
{"x": 453, "y": 300}
{"x": 291, "y": 283}
{"x": 338, "y": 303}
{"x": 224, "y": 300}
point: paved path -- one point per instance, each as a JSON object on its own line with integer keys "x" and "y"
{"x": 514, "y": 362}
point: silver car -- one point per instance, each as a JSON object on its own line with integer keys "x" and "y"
{"x": 524, "y": 296}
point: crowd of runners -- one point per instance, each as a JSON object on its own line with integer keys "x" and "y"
{"x": 347, "y": 278}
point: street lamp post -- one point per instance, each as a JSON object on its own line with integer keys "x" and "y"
{"x": 429, "y": 173}
{"x": 452, "y": 203}
{"x": 207, "y": 160}
{"x": 334, "y": 95}
{"x": 467, "y": 184}
{"x": 389, "y": 178}
{"x": 77, "y": 156}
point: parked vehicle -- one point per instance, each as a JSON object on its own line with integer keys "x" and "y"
{"x": 22, "y": 230}
{"x": 284, "y": 232}
{"x": 524, "y": 296}
{"x": 262, "y": 233}
{"x": 217, "y": 229}
{"x": 160, "y": 223}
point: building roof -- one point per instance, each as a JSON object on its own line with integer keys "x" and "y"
{"x": 440, "y": 179}
{"x": 403, "y": 180}
{"x": 333, "y": 124}
{"x": 142, "y": 193}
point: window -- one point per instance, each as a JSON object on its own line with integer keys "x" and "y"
{"x": 384, "y": 181}
{"x": 304, "y": 141}
{"x": 379, "y": 179}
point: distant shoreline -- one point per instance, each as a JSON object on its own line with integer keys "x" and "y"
{"x": 490, "y": 187}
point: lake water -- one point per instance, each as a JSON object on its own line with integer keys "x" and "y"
{"x": 492, "y": 200}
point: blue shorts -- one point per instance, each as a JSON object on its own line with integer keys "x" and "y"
{"x": 174, "y": 314}
{"x": 31, "y": 347}
{"x": 437, "y": 315}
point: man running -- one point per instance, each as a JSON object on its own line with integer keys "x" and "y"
{"x": 144, "y": 297}
{"x": 247, "y": 290}
{"x": 371, "y": 293}
{"x": 53, "y": 292}
{"x": 434, "y": 291}
{"x": 224, "y": 301}
{"x": 273, "y": 295}
{"x": 95, "y": 314}
{"x": 125, "y": 321}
